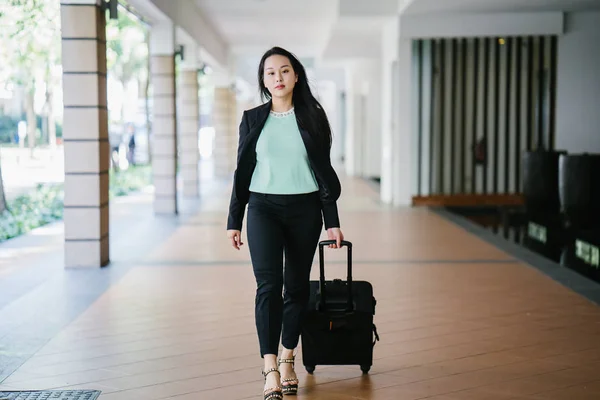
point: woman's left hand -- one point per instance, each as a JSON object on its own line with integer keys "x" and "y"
{"x": 337, "y": 235}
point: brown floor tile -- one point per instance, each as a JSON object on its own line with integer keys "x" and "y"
{"x": 181, "y": 326}
{"x": 584, "y": 391}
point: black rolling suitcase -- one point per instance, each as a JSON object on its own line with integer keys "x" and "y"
{"x": 338, "y": 327}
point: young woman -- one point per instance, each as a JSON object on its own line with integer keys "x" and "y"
{"x": 284, "y": 175}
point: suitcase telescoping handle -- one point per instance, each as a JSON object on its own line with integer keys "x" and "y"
{"x": 348, "y": 245}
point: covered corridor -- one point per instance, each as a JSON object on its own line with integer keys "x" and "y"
{"x": 458, "y": 317}
{"x": 144, "y": 298}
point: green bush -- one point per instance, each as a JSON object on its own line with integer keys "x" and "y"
{"x": 9, "y": 126}
{"x": 45, "y": 204}
{"x": 32, "y": 210}
{"x": 129, "y": 180}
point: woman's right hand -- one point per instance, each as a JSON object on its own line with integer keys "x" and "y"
{"x": 236, "y": 238}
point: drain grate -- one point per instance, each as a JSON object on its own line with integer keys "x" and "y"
{"x": 51, "y": 395}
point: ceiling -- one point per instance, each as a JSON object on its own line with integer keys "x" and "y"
{"x": 347, "y": 41}
{"x": 322, "y": 33}
{"x": 252, "y": 26}
{"x": 429, "y": 6}
{"x": 314, "y": 30}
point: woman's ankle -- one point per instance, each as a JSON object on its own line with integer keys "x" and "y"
{"x": 270, "y": 361}
{"x": 287, "y": 353}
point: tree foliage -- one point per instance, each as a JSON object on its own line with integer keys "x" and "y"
{"x": 30, "y": 51}
{"x": 127, "y": 50}
{"x": 29, "y": 40}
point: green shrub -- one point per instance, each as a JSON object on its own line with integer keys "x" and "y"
{"x": 130, "y": 180}
{"x": 32, "y": 210}
{"x": 45, "y": 204}
{"x": 9, "y": 126}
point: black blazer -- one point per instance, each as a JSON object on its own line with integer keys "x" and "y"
{"x": 251, "y": 127}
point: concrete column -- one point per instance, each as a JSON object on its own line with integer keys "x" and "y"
{"x": 389, "y": 93}
{"x": 351, "y": 134}
{"x": 226, "y": 136}
{"x": 189, "y": 124}
{"x": 85, "y": 133}
{"x": 164, "y": 138}
{"x": 363, "y": 119}
{"x": 403, "y": 154}
{"x": 578, "y": 84}
{"x": 188, "y": 118}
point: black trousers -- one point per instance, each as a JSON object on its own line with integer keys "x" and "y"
{"x": 281, "y": 225}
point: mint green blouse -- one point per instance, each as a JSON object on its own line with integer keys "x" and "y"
{"x": 282, "y": 165}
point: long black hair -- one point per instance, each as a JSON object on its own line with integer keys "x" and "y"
{"x": 309, "y": 113}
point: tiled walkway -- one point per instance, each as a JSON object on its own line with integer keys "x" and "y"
{"x": 458, "y": 319}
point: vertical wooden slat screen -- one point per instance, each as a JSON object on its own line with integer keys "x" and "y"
{"x": 530, "y": 82}
{"x": 463, "y": 117}
{"x": 508, "y": 67}
{"x": 420, "y": 113}
{"x": 498, "y": 93}
{"x": 540, "y": 87}
{"x": 453, "y": 112}
{"x": 486, "y": 92}
{"x": 432, "y": 107}
{"x": 475, "y": 115}
{"x": 552, "y": 111}
{"x": 442, "y": 120}
{"x": 518, "y": 110}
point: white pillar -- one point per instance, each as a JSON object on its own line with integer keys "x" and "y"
{"x": 363, "y": 119}
{"x": 85, "y": 133}
{"x": 225, "y": 122}
{"x": 188, "y": 120}
{"x": 164, "y": 139}
{"x": 373, "y": 131}
{"x": 402, "y": 142}
{"x": 329, "y": 98}
{"x": 389, "y": 99}
{"x": 350, "y": 162}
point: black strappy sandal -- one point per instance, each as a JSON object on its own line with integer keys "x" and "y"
{"x": 272, "y": 393}
{"x": 290, "y": 388}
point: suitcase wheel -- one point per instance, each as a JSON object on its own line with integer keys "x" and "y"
{"x": 365, "y": 368}
{"x": 310, "y": 369}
